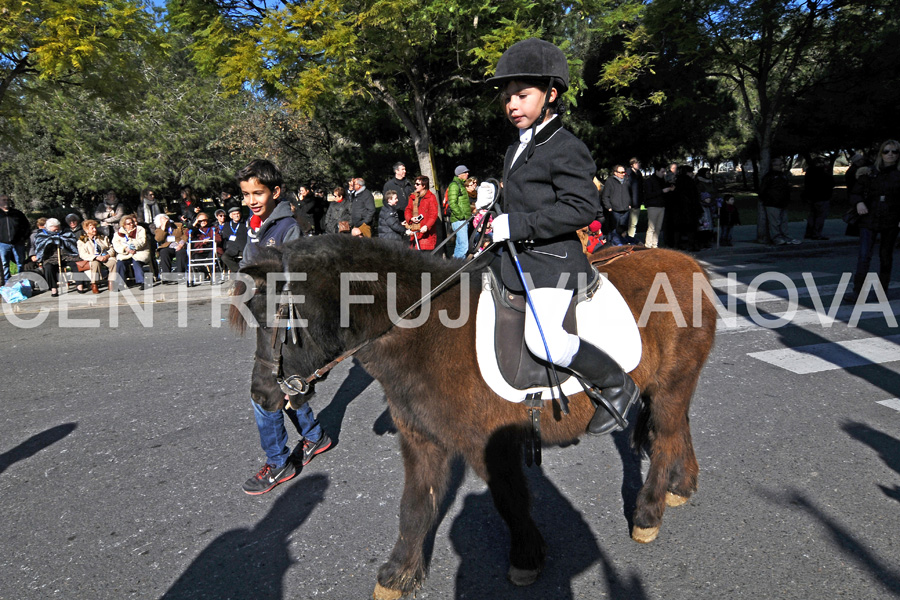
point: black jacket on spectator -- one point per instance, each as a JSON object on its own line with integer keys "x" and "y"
{"x": 362, "y": 208}
{"x": 389, "y": 227}
{"x": 818, "y": 184}
{"x": 304, "y": 213}
{"x": 775, "y": 190}
{"x": 616, "y": 194}
{"x": 636, "y": 182}
{"x": 234, "y": 237}
{"x": 880, "y": 192}
{"x": 404, "y": 188}
{"x": 653, "y": 192}
{"x": 14, "y": 227}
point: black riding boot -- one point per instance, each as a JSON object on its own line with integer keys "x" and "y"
{"x": 598, "y": 369}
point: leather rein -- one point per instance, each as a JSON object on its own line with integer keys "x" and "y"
{"x": 294, "y": 385}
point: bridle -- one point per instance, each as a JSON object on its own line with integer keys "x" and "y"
{"x": 294, "y": 385}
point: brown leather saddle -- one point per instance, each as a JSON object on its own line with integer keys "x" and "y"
{"x": 519, "y": 367}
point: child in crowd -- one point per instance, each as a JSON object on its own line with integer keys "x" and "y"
{"x": 484, "y": 198}
{"x": 728, "y": 218}
{"x": 271, "y": 225}
{"x": 389, "y": 226}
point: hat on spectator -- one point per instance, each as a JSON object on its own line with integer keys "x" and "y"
{"x": 460, "y": 170}
{"x": 72, "y": 217}
{"x": 234, "y": 208}
{"x": 594, "y": 226}
{"x": 220, "y": 212}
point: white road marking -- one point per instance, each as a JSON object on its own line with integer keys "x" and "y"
{"x": 808, "y": 316}
{"x": 892, "y": 403}
{"x": 831, "y": 356}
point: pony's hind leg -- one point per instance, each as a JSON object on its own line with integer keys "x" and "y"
{"x": 426, "y": 467}
{"x": 672, "y": 476}
{"x": 502, "y": 470}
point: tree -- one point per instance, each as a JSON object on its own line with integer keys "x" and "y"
{"x": 416, "y": 57}
{"x": 83, "y": 43}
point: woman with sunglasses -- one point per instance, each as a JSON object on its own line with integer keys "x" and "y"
{"x": 876, "y": 196}
{"x": 421, "y": 215}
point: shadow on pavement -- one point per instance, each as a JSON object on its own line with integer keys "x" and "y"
{"x": 331, "y": 417}
{"x": 35, "y": 444}
{"x": 852, "y": 547}
{"x": 251, "y": 563}
{"x": 888, "y": 449}
{"x": 571, "y": 549}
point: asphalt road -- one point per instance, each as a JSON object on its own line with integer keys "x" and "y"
{"x": 122, "y": 452}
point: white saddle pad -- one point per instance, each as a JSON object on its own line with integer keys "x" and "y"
{"x": 604, "y": 321}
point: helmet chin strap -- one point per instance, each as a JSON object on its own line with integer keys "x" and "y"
{"x": 530, "y": 149}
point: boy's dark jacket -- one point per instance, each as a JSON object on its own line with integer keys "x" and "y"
{"x": 279, "y": 228}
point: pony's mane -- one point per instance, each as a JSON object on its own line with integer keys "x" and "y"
{"x": 342, "y": 253}
{"x": 322, "y": 257}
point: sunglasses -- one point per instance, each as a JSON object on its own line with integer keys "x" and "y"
{"x": 419, "y": 183}
{"x": 203, "y": 221}
{"x": 890, "y": 151}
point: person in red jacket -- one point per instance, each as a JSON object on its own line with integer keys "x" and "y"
{"x": 421, "y": 215}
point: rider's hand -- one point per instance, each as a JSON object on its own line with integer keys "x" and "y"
{"x": 501, "y": 228}
{"x": 861, "y": 208}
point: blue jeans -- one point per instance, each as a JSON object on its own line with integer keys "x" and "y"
{"x": 867, "y": 239}
{"x": 462, "y": 238}
{"x": 273, "y": 435}
{"x": 136, "y": 266}
{"x": 15, "y": 251}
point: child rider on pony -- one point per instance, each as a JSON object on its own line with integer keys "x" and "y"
{"x": 548, "y": 195}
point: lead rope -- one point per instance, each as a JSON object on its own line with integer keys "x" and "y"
{"x": 296, "y": 385}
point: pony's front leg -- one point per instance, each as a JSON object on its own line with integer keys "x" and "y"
{"x": 426, "y": 467}
{"x": 501, "y": 468}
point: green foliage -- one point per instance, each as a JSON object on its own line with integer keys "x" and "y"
{"x": 417, "y": 58}
{"x": 84, "y": 43}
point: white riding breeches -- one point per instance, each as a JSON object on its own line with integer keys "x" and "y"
{"x": 551, "y": 305}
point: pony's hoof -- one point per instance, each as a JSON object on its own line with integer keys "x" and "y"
{"x": 644, "y": 536}
{"x": 523, "y": 577}
{"x": 674, "y": 499}
{"x": 383, "y": 593}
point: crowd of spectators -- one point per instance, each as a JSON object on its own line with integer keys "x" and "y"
{"x": 114, "y": 247}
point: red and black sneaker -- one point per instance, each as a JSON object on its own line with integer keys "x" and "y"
{"x": 310, "y": 449}
{"x": 268, "y": 477}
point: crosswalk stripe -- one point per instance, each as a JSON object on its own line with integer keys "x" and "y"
{"x": 809, "y": 316}
{"x": 892, "y": 403}
{"x": 804, "y": 360}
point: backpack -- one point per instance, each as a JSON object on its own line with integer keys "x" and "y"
{"x": 445, "y": 205}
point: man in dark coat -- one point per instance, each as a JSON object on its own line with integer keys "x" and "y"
{"x": 400, "y": 184}
{"x": 636, "y": 184}
{"x": 818, "y": 187}
{"x": 14, "y": 229}
{"x": 616, "y": 201}
{"x": 775, "y": 193}
{"x": 362, "y": 209}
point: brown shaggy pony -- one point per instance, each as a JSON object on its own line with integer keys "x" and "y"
{"x": 453, "y": 412}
